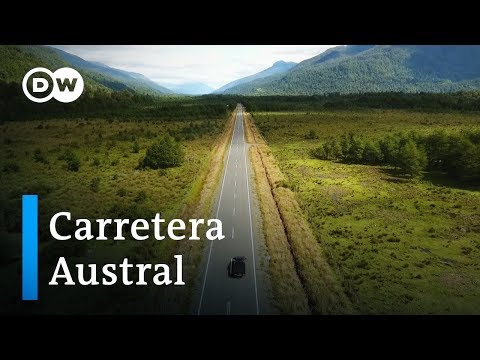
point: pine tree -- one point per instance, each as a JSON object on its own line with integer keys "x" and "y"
{"x": 411, "y": 159}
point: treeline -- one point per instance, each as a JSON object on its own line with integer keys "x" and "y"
{"x": 95, "y": 103}
{"x": 464, "y": 101}
{"x": 193, "y": 131}
{"x": 455, "y": 154}
{"x": 14, "y": 106}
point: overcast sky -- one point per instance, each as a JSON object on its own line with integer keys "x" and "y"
{"x": 214, "y": 65}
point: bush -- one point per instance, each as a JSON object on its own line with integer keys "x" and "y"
{"x": 136, "y": 147}
{"x": 141, "y": 197}
{"x": 96, "y": 162}
{"x": 95, "y": 184}
{"x": 311, "y": 135}
{"x": 73, "y": 162}
{"x": 389, "y": 149}
{"x": 372, "y": 154}
{"x": 333, "y": 149}
{"x": 11, "y": 167}
{"x": 320, "y": 153}
{"x": 164, "y": 153}
{"x": 330, "y": 150}
{"x": 39, "y": 156}
{"x": 121, "y": 192}
{"x": 354, "y": 150}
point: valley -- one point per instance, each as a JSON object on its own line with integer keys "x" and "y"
{"x": 398, "y": 246}
{"x": 347, "y": 181}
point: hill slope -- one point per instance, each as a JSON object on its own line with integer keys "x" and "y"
{"x": 277, "y": 68}
{"x": 356, "y": 69}
{"x": 17, "y": 60}
{"x": 104, "y": 74}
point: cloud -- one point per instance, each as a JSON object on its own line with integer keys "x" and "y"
{"x": 214, "y": 65}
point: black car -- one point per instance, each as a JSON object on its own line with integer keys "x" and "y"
{"x": 236, "y": 267}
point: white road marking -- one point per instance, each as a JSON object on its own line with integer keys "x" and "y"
{"x": 240, "y": 112}
{"x": 233, "y": 233}
{"x": 234, "y": 211}
{"x": 218, "y": 208}
{"x": 250, "y": 212}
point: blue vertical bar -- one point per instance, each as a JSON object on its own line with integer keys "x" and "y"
{"x": 30, "y": 247}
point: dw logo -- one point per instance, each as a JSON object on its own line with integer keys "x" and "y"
{"x": 65, "y": 85}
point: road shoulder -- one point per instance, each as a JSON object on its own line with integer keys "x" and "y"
{"x": 295, "y": 255}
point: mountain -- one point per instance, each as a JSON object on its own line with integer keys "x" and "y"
{"x": 17, "y": 60}
{"x": 104, "y": 74}
{"x": 277, "y": 68}
{"x": 191, "y": 88}
{"x": 376, "y": 68}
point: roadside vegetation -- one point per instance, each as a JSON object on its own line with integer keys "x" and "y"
{"x": 301, "y": 256}
{"x": 392, "y": 202}
{"x": 456, "y": 155}
{"x": 91, "y": 168}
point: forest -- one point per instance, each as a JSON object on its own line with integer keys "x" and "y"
{"x": 128, "y": 104}
{"x": 455, "y": 154}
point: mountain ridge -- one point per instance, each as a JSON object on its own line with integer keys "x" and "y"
{"x": 18, "y": 59}
{"x": 376, "y": 68}
{"x": 136, "y": 81}
{"x": 277, "y": 68}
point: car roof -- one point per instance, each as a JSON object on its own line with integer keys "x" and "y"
{"x": 238, "y": 267}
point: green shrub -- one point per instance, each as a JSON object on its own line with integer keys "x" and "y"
{"x": 11, "y": 167}
{"x": 311, "y": 135}
{"x": 73, "y": 162}
{"x": 121, "y": 192}
{"x": 164, "y": 153}
{"x": 39, "y": 156}
{"x": 320, "y": 153}
{"x": 141, "y": 197}
{"x": 371, "y": 153}
{"x": 136, "y": 147}
{"x": 95, "y": 184}
{"x": 355, "y": 148}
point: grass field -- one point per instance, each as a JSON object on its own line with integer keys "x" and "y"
{"x": 399, "y": 246}
{"x": 107, "y": 184}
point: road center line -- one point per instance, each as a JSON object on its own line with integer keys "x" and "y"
{"x": 218, "y": 209}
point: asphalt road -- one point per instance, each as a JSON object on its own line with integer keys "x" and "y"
{"x": 220, "y": 294}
